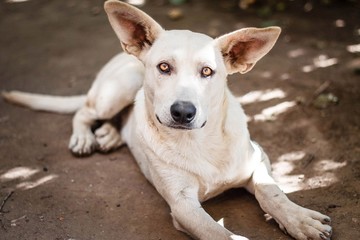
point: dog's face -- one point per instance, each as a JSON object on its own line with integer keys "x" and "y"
{"x": 185, "y": 72}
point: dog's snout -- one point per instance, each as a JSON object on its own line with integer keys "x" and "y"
{"x": 183, "y": 112}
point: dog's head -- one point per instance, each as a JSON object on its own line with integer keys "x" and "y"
{"x": 185, "y": 72}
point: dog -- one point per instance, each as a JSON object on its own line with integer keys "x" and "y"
{"x": 186, "y": 130}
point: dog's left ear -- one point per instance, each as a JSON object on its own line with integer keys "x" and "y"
{"x": 136, "y": 30}
{"x": 243, "y": 48}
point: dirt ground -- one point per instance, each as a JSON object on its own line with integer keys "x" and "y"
{"x": 57, "y": 47}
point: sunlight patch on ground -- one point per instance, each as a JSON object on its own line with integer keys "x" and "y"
{"x": 18, "y": 172}
{"x": 329, "y": 165}
{"x": 266, "y": 74}
{"x": 261, "y": 96}
{"x": 340, "y": 23}
{"x": 271, "y": 113}
{"x": 324, "y": 180}
{"x": 353, "y": 48}
{"x": 321, "y": 61}
{"x": 23, "y": 174}
{"x": 289, "y": 182}
{"x": 32, "y": 184}
{"x": 237, "y": 237}
{"x": 136, "y": 2}
{"x": 292, "y": 156}
{"x": 296, "y": 53}
{"x": 16, "y": 1}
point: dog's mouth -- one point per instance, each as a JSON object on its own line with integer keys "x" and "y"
{"x": 179, "y": 126}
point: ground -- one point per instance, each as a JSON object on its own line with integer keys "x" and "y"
{"x": 57, "y": 47}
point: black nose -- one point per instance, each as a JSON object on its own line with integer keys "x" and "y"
{"x": 183, "y": 112}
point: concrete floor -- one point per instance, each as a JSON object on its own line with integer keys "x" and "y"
{"x": 57, "y": 47}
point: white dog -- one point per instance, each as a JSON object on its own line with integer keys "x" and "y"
{"x": 187, "y": 131}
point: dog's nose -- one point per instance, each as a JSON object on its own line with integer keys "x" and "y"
{"x": 183, "y": 112}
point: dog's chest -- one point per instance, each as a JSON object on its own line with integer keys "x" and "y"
{"x": 229, "y": 168}
{"x": 215, "y": 163}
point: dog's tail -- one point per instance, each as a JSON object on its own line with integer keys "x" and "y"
{"x": 39, "y": 102}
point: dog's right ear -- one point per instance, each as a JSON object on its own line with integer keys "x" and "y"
{"x": 136, "y": 30}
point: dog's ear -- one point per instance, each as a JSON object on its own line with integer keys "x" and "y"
{"x": 136, "y": 30}
{"x": 243, "y": 48}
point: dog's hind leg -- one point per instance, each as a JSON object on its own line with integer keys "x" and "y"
{"x": 299, "y": 222}
{"x": 113, "y": 90}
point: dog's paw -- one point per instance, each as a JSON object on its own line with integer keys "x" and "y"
{"x": 108, "y": 137}
{"x": 304, "y": 224}
{"x": 82, "y": 144}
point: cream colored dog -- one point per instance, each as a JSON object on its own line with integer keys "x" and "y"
{"x": 187, "y": 131}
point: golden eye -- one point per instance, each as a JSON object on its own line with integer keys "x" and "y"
{"x": 164, "y": 68}
{"x": 206, "y": 72}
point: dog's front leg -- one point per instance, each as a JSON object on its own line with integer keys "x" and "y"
{"x": 189, "y": 217}
{"x": 82, "y": 141}
{"x": 299, "y": 222}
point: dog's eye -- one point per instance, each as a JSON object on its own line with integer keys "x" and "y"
{"x": 164, "y": 68}
{"x": 206, "y": 72}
